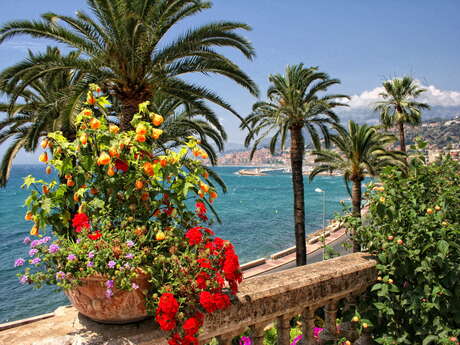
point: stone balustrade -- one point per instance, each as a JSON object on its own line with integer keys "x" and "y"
{"x": 263, "y": 300}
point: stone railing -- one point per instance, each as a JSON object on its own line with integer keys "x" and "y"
{"x": 263, "y": 300}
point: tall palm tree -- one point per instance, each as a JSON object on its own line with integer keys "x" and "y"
{"x": 48, "y": 104}
{"x": 360, "y": 152}
{"x": 294, "y": 106}
{"x": 399, "y": 106}
{"x": 131, "y": 54}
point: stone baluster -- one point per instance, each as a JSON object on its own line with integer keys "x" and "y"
{"x": 284, "y": 328}
{"x": 308, "y": 323}
{"x": 258, "y": 331}
{"x": 331, "y": 317}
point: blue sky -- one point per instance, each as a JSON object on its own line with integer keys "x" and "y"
{"x": 361, "y": 42}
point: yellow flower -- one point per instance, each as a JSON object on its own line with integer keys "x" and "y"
{"x": 160, "y": 236}
{"x": 382, "y": 199}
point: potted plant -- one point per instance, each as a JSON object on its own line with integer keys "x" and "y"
{"x": 124, "y": 230}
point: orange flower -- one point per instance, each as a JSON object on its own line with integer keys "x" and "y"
{"x": 157, "y": 120}
{"x": 84, "y": 139}
{"x": 156, "y": 133}
{"x": 139, "y": 184}
{"x": 94, "y": 123}
{"x": 93, "y": 191}
{"x": 110, "y": 171}
{"x": 70, "y": 183}
{"x": 48, "y": 170}
{"x": 44, "y": 144}
{"x": 103, "y": 159}
{"x": 196, "y": 152}
{"x": 91, "y": 100}
{"x": 204, "y": 187}
{"x": 213, "y": 194}
{"x": 160, "y": 236}
{"x": 163, "y": 163}
{"x": 204, "y": 155}
{"x": 43, "y": 157}
{"x": 140, "y": 138}
{"x": 148, "y": 168}
{"x": 114, "y": 153}
{"x": 45, "y": 189}
{"x": 87, "y": 112}
{"x": 114, "y": 129}
{"x": 145, "y": 196}
{"x": 34, "y": 230}
{"x": 76, "y": 197}
{"x": 141, "y": 129}
{"x": 28, "y": 216}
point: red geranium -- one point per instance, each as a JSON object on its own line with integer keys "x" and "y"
{"x": 194, "y": 236}
{"x": 166, "y": 323}
{"x": 95, "y": 235}
{"x": 168, "y": 304}
{"x": 192, "y": 325}
{"x": 204, "y": 263}
{"x": 202, "y": 279}
{"x": 80, "y": 221}
{"x": 120, "y": 165}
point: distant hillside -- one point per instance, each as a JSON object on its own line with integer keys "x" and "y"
{"x": 438, "y": 133}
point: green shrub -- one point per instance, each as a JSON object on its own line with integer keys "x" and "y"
{"x": 413, "y": 228}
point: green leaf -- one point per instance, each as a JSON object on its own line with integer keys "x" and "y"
{"x": 443, "y": 248}
{"x": 429, "y": 339}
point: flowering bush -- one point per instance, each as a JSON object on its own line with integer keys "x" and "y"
{"x": 413, "y": 228}
{"x": 120, "y": 209}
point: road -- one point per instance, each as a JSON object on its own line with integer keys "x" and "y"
{"x": 317, "y": 255}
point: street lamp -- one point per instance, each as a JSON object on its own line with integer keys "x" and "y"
{"x": 319, "y": 190}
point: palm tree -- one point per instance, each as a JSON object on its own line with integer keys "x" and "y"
{"x": 360, "y": 152}
{"x": 131, "y": 54}
{"x": 399, "y": 106}
{"x": 294, "y": 106}
{"x": 48, "y": 104}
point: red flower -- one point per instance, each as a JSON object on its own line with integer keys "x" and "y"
{"x": 194, "y": 236}
{"x": 212, "y": 302}
{"x": 231, "y": 268}
{"x": 168, "y": 304}
{"x": 204, "y": 263}
{"x": 95, "y": 235}
{"x": 165, "y": 322}
{"x": 189, "y": 340}
{"x": 79, "y": 221}
{"x": 120, "y": 165}
{"x": 191, "y": 326}
{"x": 175, "y": 340}
{"x": 200, "y": 207}
{"x": 207, "y": 301}
{"x": 201, "y": 280}
{"x": 221, "y": 300}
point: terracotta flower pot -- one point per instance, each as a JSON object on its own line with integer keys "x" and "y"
{"x": 90, "y": 299}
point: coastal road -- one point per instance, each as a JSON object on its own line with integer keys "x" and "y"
{"x": 317, "y": 255}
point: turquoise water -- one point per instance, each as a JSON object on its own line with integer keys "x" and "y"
{"x": 256, "y": 213}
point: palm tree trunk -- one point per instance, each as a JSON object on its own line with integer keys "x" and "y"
{"x": 402, "y": 138}
{"x": 128, "y": 109}
{"x": 356, "y": 211}
{"x": 297, "y": 152}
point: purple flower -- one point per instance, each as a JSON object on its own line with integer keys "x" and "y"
{"x": 108, "y": 293}
{"x": 33, "y": 251}
{"x": 71, "y": 257}
{"x": 26, "y": 240}
{"x": 317, "y": 331}
{"x": 129, "y": 243}
{"x": 129, "y": 256}
{"x": 296, "y": 340}
{"x": 45, "y": 239}
{"x": 245, "y": 341}
{"x": 19, "y": 262}
{"x": 127, "y": 266}
{"x": 24, "y": 279}
{"x": 53, "y": 248}
{"x": 111, "y": 264}
{"x": 34, "y": 243}
{"x": 60, "y": 275}
{"x": 35, "y": 261}
{"x": 134, "y": 286}
{"x": 109, "y": 284}
{"x": 90, "y": 264}
{"x": 78, "y": 240}
{"x": 91, "y": 255}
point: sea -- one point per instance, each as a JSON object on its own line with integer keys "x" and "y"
{"x": 256, "y": 214}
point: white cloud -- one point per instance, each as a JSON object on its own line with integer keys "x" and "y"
{"x": 433, "y": 96}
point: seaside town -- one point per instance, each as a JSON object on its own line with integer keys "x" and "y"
{"x": 443, "y": 137}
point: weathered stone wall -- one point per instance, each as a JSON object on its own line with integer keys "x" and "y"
{"x": 261, "y": 300}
